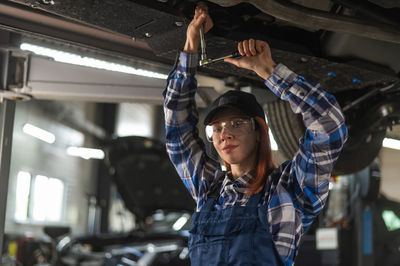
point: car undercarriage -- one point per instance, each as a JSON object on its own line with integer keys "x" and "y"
{"x": 352, "y": 48}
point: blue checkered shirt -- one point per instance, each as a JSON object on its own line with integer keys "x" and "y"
{"x": 297, "y": 190}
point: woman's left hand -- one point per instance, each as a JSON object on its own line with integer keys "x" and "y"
{"x": 256, "y": 57}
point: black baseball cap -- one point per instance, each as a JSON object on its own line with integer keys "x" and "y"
{"x": 240, "y": 101}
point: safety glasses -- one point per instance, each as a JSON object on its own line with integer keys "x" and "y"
{"x": 235, "y": 126}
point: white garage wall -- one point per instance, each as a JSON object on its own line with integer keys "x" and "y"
{"x": 38, "y": 157}
{"x": 135, "y": 119}
{"x": 390, "y": 172}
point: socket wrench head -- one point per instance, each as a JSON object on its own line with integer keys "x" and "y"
{"x": 204, "y": 62}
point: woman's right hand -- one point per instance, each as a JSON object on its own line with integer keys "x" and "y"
{"x": 201, "y": 17}
{"x": 256, "y": 56}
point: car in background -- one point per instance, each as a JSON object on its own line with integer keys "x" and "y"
{"x": 151, "y": 189}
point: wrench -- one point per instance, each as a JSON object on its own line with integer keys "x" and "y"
{"x": 210, "y": 61}
{"x": 203, "y": 58}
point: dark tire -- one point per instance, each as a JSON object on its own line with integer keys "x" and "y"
{"x": 359, "y": 152}
{"x": 287, "y": 127}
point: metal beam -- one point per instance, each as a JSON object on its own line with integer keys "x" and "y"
{"x": 107, "y": 118}
{"x": 7, "y": 111}
{"x": 50, "y": 80}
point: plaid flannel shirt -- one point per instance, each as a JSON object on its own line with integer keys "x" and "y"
{"x": 297, "y": 190}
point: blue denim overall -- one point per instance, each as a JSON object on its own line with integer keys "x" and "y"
{"x": 232, "y": 236}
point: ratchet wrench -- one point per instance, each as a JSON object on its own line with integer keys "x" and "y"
{"x": 203, "y": 58}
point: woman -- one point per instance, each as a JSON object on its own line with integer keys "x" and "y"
{"x": 253, "y": 213}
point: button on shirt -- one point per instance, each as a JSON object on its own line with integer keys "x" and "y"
{"x": 297, "y": 190}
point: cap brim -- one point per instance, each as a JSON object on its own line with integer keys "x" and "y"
{"x": 209, "y": 117}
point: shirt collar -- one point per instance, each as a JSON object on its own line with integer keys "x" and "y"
{"x": 238, "y": 185}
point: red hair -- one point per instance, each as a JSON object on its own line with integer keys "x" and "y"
{"x": 265, "y": 161}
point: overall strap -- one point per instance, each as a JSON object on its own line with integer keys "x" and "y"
{"x": 208, "y": 205}
{"x": 255, "y": 198}
{"x": 213, "y": 193}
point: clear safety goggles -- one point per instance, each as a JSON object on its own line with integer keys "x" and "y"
{"x": 235, "y": 126}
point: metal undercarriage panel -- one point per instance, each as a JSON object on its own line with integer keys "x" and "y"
{"x": 162, "y": 26}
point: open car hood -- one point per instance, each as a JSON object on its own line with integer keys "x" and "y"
{"x": 145, "y": 177}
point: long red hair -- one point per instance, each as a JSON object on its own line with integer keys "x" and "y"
{"x": 265, "y": 161}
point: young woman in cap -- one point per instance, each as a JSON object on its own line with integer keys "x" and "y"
{"x": 254, "y": 213}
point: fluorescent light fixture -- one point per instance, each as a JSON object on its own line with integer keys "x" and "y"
{"x": 39, "y": 133}
{"x": 180, "y": 222}
{"x": 126, "y": 128}
{"x": 391, "y": 143}
{"x": 22, "y": 195}
{"x": 76, "y": 59}
{"x": 85, "y": 153}
{"x": 274, "y": 145}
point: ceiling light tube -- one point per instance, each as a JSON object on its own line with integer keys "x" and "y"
{"x": 180, "y": 222}
{"x": 85, "y": 153}
{"x": 39, "y": 133}
{"x": 274, "y": 145}
{"x": 76, "y": 59}
{"x": 391, "y": 143}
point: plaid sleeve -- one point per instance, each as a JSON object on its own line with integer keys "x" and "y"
{"x": 184, "y": 146}
{"x": 310, "y": 169}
